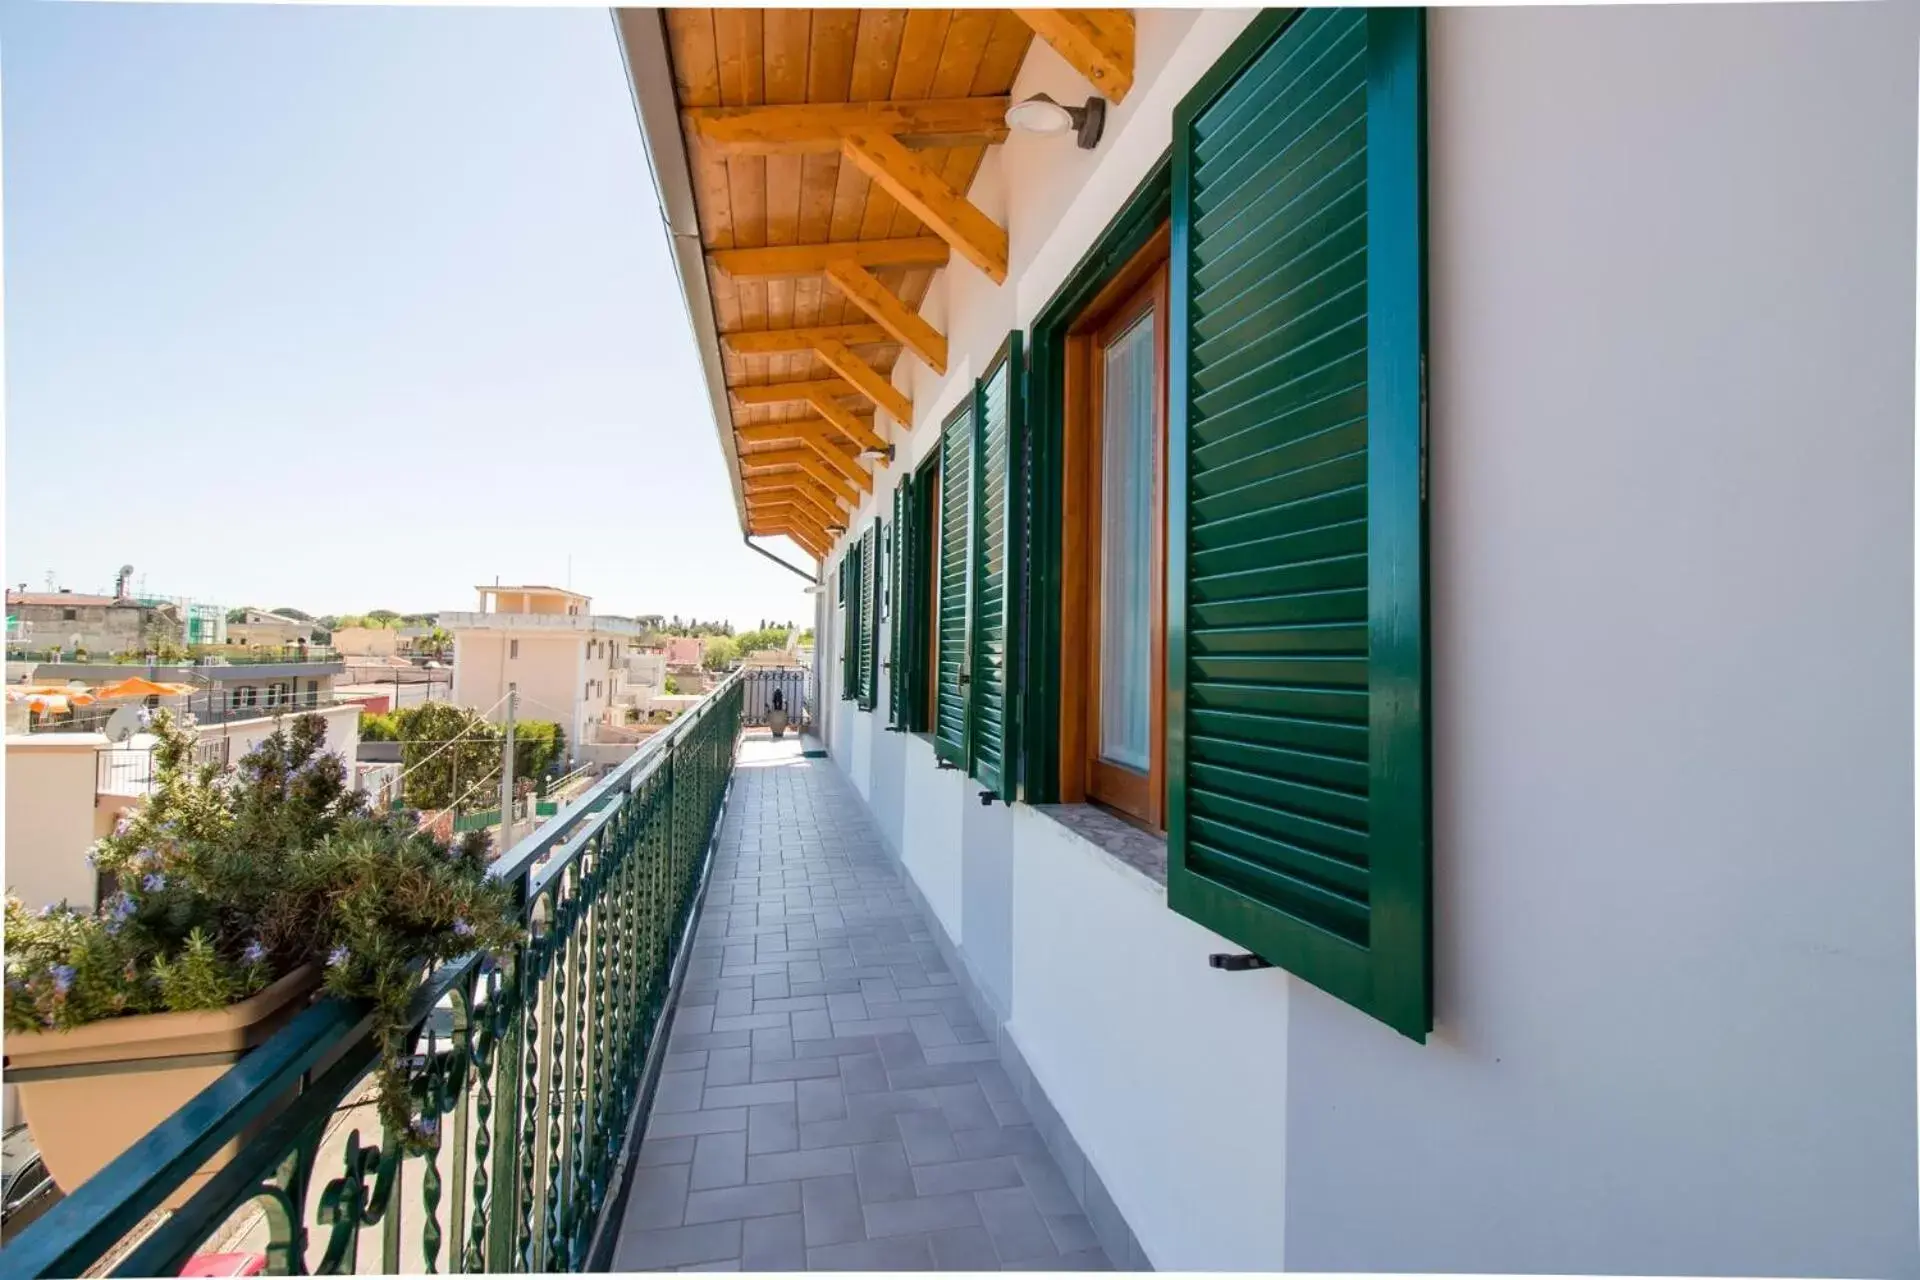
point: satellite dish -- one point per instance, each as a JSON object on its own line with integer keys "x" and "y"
{"x": 124, "y": 723}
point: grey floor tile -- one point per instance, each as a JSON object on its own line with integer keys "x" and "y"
{"x": 729, "y": 1066}
{"x": 900, "y": 1253}
{"x": 772, "y": 1126}
{"x": 964, "y": 1175}
{"x": 755, "y": 1200}
{"x": 831, "y": 1209}
{"x": 678, "y": 1091}
{"x": 820, "y": 1099}
{"x": 720, "y": 1160}
{"x": 781, "y": 1166}
{"x": 964, "y": 1249}
{"x": 1071, "y": 1232}
{"x": 919, "y": 1215}
{"x": 884, "y": 1173}
{"x": 676, "y": 1246}
{"x": 655, "y": 1151}
{"x": 658, "y": 1197}
{"x": 1018, "y": 1230}
{"x": 928, "y": 1138}
{"x": 774, "y": 1244}
{"x": 679, "y": 1124}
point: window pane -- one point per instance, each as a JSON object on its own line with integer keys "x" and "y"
{"x": 1126, "y": 547}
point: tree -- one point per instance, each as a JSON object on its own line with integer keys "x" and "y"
{"x": 382, "y": 617}
{"x": 236, "y": 615}
{"x": 718, "y": 653}
{"x": 450, "y": 756}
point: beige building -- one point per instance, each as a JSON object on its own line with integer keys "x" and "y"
{"x": 545, "y": 644}
{"x": 366, "y": 642}
{"x": 260, "y": 629}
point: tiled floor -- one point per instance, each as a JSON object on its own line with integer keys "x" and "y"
{"x": 829, "y": 1102}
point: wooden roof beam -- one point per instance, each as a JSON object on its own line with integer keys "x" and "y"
{"x": 795, "y": 526}
{"x": 816, "y": 128}
{"x": 805, "y": 461}
{"x": 824, "y": 511}
{"x": 872, "y": 385}
{"x": 796, "y": 513}
{"x": 803, "y": 540}
{"x": 774, "y": 342}
{"x": 815, "y": 435}
{"x": 1098, "y": 43}
{"x": 812, "y": 259}
{"x": 892, "y": 315}
{"x": 824, "y": 395}
{"x": 927, "y": 196}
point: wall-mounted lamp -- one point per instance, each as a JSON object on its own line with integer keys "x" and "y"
{"x": 1041, "y": 114}
{"x": 886, "y": 453}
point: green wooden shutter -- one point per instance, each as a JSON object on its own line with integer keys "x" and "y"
{"x": 849, "y": 622}
{"x": 956, "y": 505}
{"x": 1296, "y": 707}
{"x": 868, "y": 656}
{"x": 996, "y": 413}
{"x": 898, "y": 569}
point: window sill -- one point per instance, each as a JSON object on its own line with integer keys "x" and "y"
{"x": 1143, "y": 851}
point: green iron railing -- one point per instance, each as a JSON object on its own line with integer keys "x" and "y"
{"x": 528, "y": 1073}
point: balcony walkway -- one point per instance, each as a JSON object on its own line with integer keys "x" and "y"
{"x": 829, "y": 1101}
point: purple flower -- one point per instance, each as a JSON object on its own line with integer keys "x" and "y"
{"x": 338, "y": 957}
{"x": 153, "y": 882}
{"x": 254, "y": 953}
{"x": 123, "y": 907}
{"x": 120, "y": 827}
{"x": 461, "y": 929}
{"x": 147, "y": 855}
{"x": 62, "y": 979}
{"x": 46, "y": 912}
{"x": 427, "y": 1126}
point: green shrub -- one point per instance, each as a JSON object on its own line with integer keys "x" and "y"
{"x": 231, "y": 878}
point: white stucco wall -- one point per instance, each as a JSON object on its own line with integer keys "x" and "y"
{"x": 1672, "y": 291}
{"x": 50, "y": 817}
{"x": 1672, "y": 345}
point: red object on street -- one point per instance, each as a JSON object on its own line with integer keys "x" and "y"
{"x": 225, "y": 1264}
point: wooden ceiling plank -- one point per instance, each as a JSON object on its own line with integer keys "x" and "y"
{"x": 812, "y": 259}
{"x": 781, "y": 341}
{"x": 1098, "y": 43}
{"x": 817, "y": 128}
{"x": 792, "y": 392}
{"x": 824, "y": 446}
{"x": 890, "y": 313}
{"x": 807, "y": 462}
{"x": 949, "y": 214}
{"x": 792, "y": 488}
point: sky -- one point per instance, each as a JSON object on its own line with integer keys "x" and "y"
{"x": 350, "y": 308}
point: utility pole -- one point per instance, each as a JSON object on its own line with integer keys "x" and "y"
{"x": 506, "y": 778}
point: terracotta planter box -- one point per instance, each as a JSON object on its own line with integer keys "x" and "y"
{"x": 777, "y": 721}
{"x": 90, "y": 1093}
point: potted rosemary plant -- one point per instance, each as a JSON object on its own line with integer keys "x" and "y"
{"x": 240, "y": 892}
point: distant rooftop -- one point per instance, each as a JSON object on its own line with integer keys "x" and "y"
{"x": 67, "y": 598}
{"x": 533, "y": 589}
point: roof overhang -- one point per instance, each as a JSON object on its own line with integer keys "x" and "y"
{"x": 643, "y": 50}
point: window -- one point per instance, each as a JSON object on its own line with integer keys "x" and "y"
{"x": 1297, "y": 770}
{"x": 1113, "y": 579}
{"x": 513, "y": 648}
{"x": 849, "y": 587}
{"x": 69, "y": 615}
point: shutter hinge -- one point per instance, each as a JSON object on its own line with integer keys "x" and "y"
{"x": 1423, "y": 427}
{"x": 1233, "y": 963}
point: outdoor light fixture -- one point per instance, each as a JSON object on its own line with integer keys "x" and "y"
{"x": 886, "y": 453}
{"x": 1041, "y": 114}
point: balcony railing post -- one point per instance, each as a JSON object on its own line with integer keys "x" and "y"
{"x": 503, "y": 1214}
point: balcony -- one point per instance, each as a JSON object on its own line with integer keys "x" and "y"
{"x": 547, "y": 622}
{"x": 735, "y": 1038}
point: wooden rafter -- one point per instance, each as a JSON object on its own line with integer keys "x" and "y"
{"x": 816, "y": 128}
{"x": 795, "y": 525}
{"x": 892, "y": 315}
{"x": 928, "y": 197}
{"x": 822, "y": 511}
{"x": 871, "y": 383}
{"x": 843, "y": 420}
{"x": 793, "y": 512}
{"x": 815, "y": 435}
{"x": 805, "y": 461}
{"x": 796, "y": 485}
{"x": 770, "y": 342}
{"x": 1098, "y": 43}
{"x": 812, "y": 259}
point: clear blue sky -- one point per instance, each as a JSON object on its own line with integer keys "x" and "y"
{"x": 350, "y": 308}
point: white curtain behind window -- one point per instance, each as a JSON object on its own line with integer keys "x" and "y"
{"x": 1126, "y": 551}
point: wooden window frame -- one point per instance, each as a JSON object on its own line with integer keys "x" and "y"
{"x": 1139, "y": 286}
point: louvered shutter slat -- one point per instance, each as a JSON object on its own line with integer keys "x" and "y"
{"x": 993, "y": 449}
{"x": 869, "y": 615}
{"x": 956, "y": 507}
{"x": 1297, "y": 766}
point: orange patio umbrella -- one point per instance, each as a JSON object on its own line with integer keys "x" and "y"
{"x": 141, "y": 687}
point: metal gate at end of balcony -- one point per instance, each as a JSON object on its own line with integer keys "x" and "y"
{"x": 528, "y": 1074}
